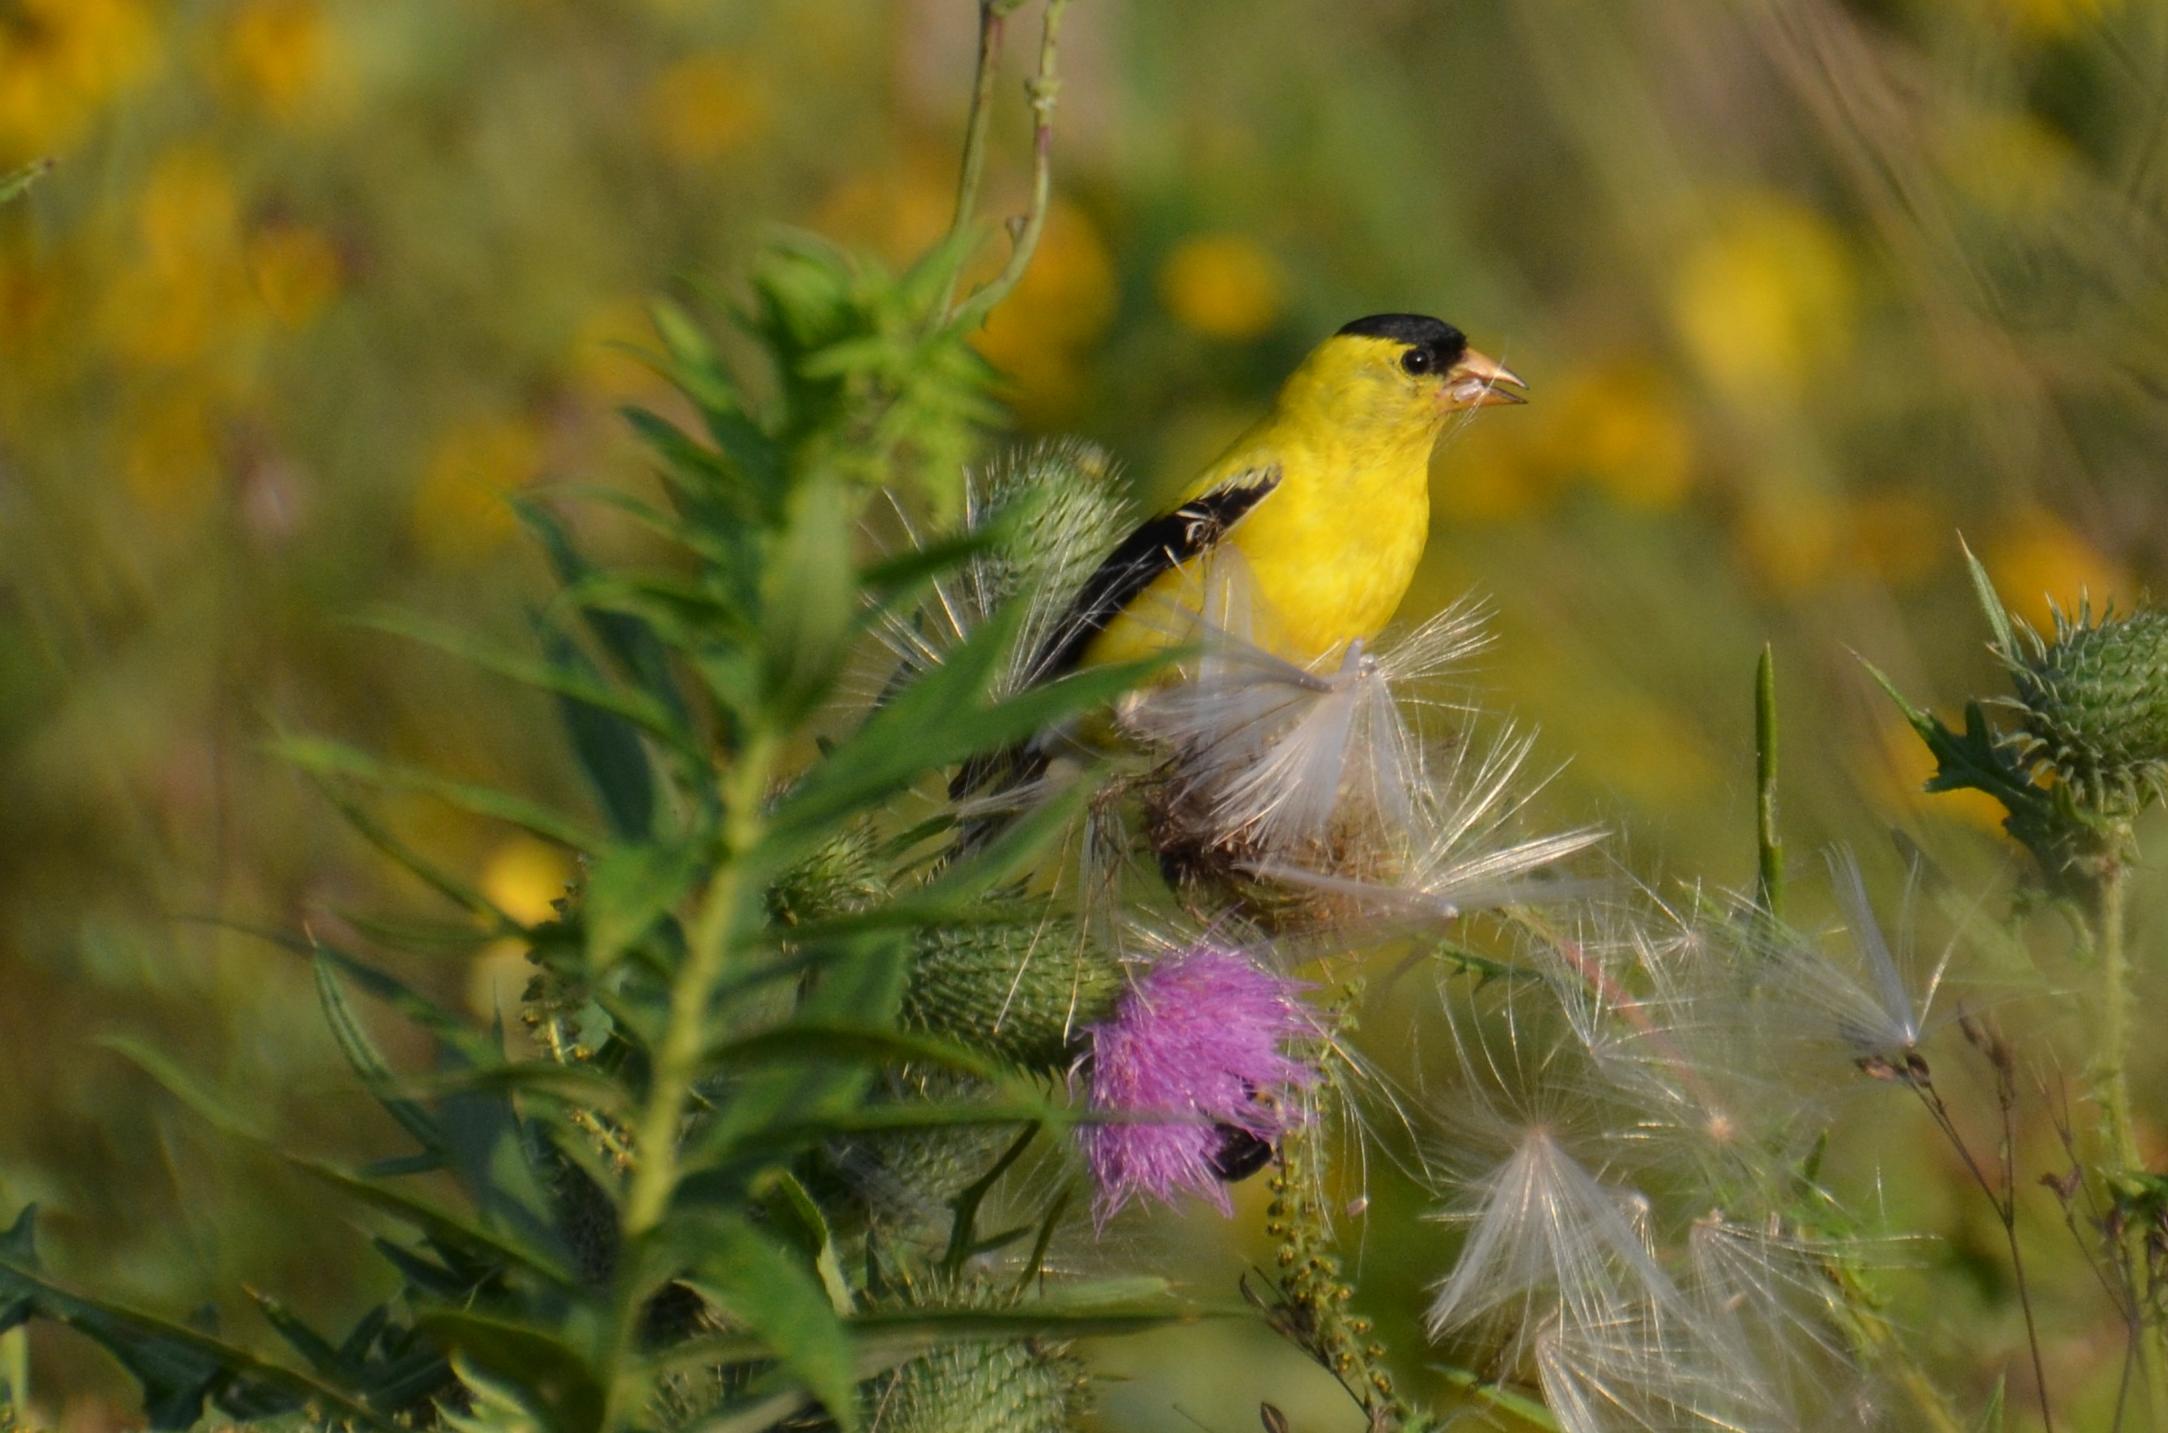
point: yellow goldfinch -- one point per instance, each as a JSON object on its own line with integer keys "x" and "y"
{"x": 1326, "y": 499}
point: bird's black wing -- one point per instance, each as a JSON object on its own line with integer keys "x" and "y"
{"x": 1155, "y": 548}
{"x": 1140, "y": 559}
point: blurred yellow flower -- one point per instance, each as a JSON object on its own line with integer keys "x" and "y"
{"x": 1064, "y": 303}
{"x": 1223, "y": 286}
{"x": 172, "y": 314}
{"x": 459, "y": 508}
{"x": 523, "y": 877}
{"x": 29, "y": 299}
{"x": 277, "y": 55}
{"x": 1790, "y": 539}
{"x": 190, "y": 209}
{"x": 706, "y": 106}
{"x": 2009, "y": 163}
{"x": 1896, "y": 536}
{"x": 184, "y": 286}
{"x": 1490, "y": 472}
{"x": 2053, "y": 19}
{"x": 603, "y": 362}
{"x": 899, "y": 207}
{"x": 170, "y": 456}
{"x": 1764, "y": 301}
{"x": 60, "y": 61}
{"x": 296, "y": 271}
{"x": 2036, "y": 559}
{"x": 1620, "y": 426}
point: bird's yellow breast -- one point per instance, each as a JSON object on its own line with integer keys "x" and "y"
{"x": 1329, "y": 553}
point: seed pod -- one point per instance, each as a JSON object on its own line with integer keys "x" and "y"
{"x": 2092, "y": 707}
{"x": 1024, "y": 1386}
{"x": 1061, "y": 510}
{"x": 1019, "y": 988}
{"x": 905, "y": 1181}
{"x": 841, "y": 875}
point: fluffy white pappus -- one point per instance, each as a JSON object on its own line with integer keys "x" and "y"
{"x": 1463, "y": 854}
{"x": 1666, "y": 1015}
{"x": 1282, "y": 761}
{"x": 1873, "y": 1009}
{"x": 1776, "y": 1300}
{"x": 1548, "y": 1246}
{"x": 1645, "y": 1371}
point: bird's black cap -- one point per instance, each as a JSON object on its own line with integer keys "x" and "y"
{"x": 1445, "y": 342}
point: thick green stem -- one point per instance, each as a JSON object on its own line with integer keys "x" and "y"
{"x": 677, "y": 1055}
{"x": 2115, "y": 1011}
{"x": 2112, "y": 1088}
{"x": 676, "y": 1065}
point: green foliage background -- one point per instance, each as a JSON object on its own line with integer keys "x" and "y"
{"x": 1802, "y": 289}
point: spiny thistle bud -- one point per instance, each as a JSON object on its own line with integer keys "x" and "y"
{"x": 2092, "y": 706}
{"x": 902, "y": 1180}
{"x": 1061, "y": 508}
{"x": 1024, "y": 1386}
{"x": 841, "y": 875}
{"x": 1020, "y": 988}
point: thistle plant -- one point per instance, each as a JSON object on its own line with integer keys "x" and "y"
{"x": 900, "y": 979}
{"x": 2079, "y": 752}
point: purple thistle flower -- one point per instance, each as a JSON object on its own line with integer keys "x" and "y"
{"x": 1196, "y": 1041}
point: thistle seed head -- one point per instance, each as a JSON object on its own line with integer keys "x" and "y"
{"x": 2092, "y": 707}
{"x": 841, "y": 875}
{"x": 1021, "y": 1386}
{"x": 1063, "y": 510}
{"x": 1023, "y": 989}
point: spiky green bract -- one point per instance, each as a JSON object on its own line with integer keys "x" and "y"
{"x": 2091, "y": 721}
{"x": 1015, "y": 984}
{"x": 840, "y": 875}
{"x": 1059, "y": 507}
{"x": 2092, "y": 707}
{"x": 1017, "y": 1386}
{"x": 1046, "y": 516}
{"x": 903, "y": 1181}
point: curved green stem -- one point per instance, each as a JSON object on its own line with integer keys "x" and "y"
{"x": 993, "y": 22}
{"x": 1043, "y": 89}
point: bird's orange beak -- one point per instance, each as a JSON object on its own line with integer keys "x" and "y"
{"x": 1474, "y": 382}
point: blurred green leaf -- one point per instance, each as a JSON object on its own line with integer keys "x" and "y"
{"x": 607, "y": 746}
{"x": 369, "y": 1065}
{"x": 16, "y": 182}
{"x": 624, "y": 639}
{"x": 801, "y": 1039}
{"x": 436, "y": 1221}
{"x": 794, "y": 1215}
{"x": 433, "y": 1219}
{"x": 628, "y": 889}
{"x": 809, "y": 598}
{"x": 180, "y": 1369}
{"x": 553, "y": 1376}
{"x": 333, "y": 758}
{"x": 773, "y": 1293}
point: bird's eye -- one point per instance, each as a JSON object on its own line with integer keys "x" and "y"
{"x": 1416, "y": 360}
